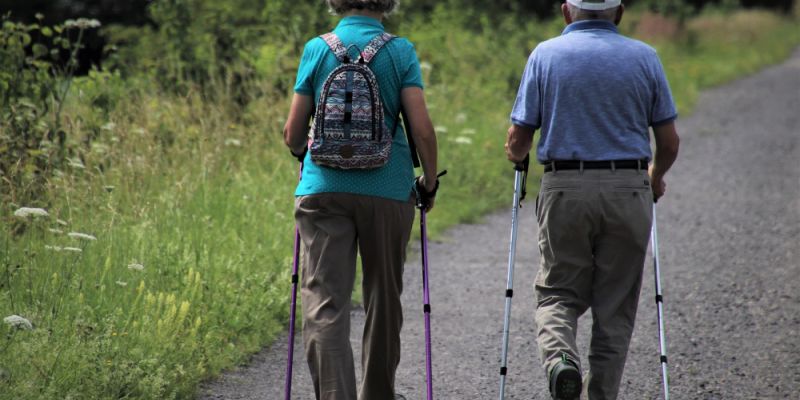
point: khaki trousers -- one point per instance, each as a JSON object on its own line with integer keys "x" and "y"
{"x": 332, "y": 227}
{"x": 594, "y": 228}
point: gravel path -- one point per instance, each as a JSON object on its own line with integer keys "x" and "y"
{"x": 729, "y": 235}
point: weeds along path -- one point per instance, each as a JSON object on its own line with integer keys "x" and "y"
{"x": 730, "y": 242}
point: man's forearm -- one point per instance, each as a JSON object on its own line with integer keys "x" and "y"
{"x": 666, "y": 152}
{"x": 519, "y": 142}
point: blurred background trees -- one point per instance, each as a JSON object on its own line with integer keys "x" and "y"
{"x": 196, "y": 36}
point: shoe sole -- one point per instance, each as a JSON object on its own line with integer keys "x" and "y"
{"x": 568, "y": 385}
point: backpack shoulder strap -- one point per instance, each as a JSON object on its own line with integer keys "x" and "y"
{"x": 375, "y": 45}
{"x": 336, "y": 46}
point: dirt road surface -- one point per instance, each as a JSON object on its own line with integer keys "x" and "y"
{"x": 729, "y": 231}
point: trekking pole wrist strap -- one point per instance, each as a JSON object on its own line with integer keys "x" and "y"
{"x": 427, "y": 194}
{"x": 424, "y": 195}
{"x": 300, "y": 157}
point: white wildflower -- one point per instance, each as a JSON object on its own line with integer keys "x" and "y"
{"x": 110, "y": 126}
{"x": 121, "y": 283}
{"x": 18, "y": 322}
{"x": 425, "y": 66}
{"x": 54, "y": 248}
{"x": 136, "y": 267}
{"x": 61, "y": 222}
{"x": 469, "y": 131}
{"x": 72, "y": 249}
{"x": 441, "y": 129}
{"x": 81, "y": 236}
{"x": 233, "y": 142}
{"x": 56, "y": 231}
{"x": 99, "y": 148}
{"x": 82, "y": 23}
{"x": 462, "y": 140}
{"x": 29, "y": 211}
{"x": 461, "y": 118}
{"x": 76, "y": 163}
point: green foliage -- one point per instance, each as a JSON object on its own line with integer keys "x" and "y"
{"x": 678, "y": 9}
{"x": 183, "y": 278}
{"x": 34, "y": 88}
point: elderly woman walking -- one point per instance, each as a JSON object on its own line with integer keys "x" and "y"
{"x": 342, "y": 210}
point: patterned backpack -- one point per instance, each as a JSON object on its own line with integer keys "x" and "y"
{"x": 348, "y": 131}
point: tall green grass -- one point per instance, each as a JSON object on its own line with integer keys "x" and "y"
{"x": 190, "y": 201}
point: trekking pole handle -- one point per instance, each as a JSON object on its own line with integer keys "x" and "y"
{"x": 524, "y": 164}
{"x": 424, "y": 196}
{"x": 522, "y": 167}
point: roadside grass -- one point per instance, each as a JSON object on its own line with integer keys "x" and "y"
{"x": 717, "y": 48}
{"x": 191, "y": 207}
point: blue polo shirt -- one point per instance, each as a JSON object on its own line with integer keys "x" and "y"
{"x": 396, "y": 66}
{"x": 594, "y": 94}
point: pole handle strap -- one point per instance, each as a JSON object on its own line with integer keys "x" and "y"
{"x": 523, "y": 167}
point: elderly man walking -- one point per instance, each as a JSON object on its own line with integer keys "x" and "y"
{"x": 593, "y": 94}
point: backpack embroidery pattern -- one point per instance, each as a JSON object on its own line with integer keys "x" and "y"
{"x": 348, "y": 131}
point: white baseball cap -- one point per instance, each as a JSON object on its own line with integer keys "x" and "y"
{"x": 595, "y": 4}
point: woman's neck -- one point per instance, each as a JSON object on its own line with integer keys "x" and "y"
{"x": 364, "y": 13}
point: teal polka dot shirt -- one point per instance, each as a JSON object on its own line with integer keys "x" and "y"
{"x": 396, "y": 67}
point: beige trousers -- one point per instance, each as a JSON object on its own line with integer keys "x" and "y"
{"x": 333, "y": 226}
{"x": 594, "y": 228}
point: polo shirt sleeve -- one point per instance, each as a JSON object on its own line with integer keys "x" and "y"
{"x": 663, "y": 109}
{"x": 526, "y": 111}
{"x": 413, "y": 75}
{"x": 305, "y": 71}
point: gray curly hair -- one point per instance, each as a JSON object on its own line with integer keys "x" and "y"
{"x": 340, "y": 7}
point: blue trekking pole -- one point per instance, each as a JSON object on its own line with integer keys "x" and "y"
{"x": 660, "y": 304}
{"x": 422, "y": 204}
{"x": 520, "y": 177}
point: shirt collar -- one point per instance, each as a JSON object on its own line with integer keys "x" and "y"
{"x": 590, "y": 24}
{"x": 359, "y": 20}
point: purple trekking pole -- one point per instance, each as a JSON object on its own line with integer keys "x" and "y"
{"x": 292, "y": 311}
{"x": 422, "y": 203}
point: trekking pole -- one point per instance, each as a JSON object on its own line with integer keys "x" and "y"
{"x": 660, "y": 305}
{"x": 520, "y": 177}
{"x": 292, "y": 311}
{"x": 426, "y": 306}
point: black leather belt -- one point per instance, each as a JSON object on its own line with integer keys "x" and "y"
{"x": 550, "y": 166}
